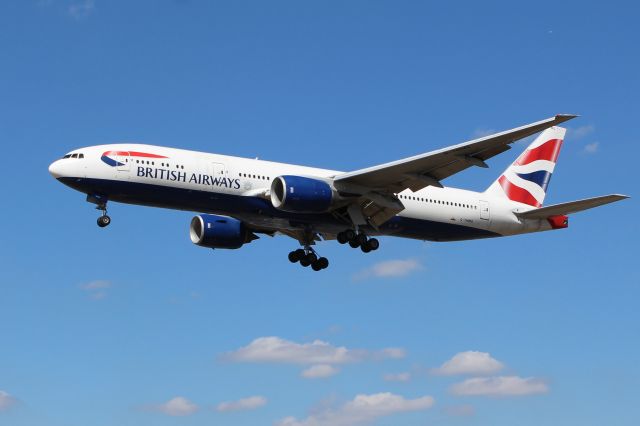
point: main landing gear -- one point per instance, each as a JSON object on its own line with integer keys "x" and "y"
{"x": 356, "y": 240}
{"x": 308, "y": 256}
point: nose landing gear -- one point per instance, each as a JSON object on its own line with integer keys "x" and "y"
{"x": 101, "y": 204}
{"x": 104, "y": 220}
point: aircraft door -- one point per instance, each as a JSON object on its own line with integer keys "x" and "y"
{"x": 123, "y": 161}
{"x": 484, "y": 210}
{"x": 218, "y": 171}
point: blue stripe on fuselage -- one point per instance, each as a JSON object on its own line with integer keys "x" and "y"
{"x": 219, "y": 203}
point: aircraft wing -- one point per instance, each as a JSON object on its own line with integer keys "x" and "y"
{"x": 570, "y": 207}
{"x": 430, "y": 168}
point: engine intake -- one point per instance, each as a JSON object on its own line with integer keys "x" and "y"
{"x": 299, "y": 194}
{"x": 223, "y": 232}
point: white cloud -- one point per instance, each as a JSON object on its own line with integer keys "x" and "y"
{"x": 391, "y": 353}
{"x": 81, "y": 9}
{"x": 500, "y": 386}
{"x": 277, "y": 350}
{"x": 580, "y": 132}
{"x": 390, "y": 269}
{"x": 591, "y": 148}
{"x": 469, "y": 362}
{"x": 319, "y": 371}
{"x": 363, "y": 409}
{"x": 245, "y": 404}
{"x": 397, "y": 377}
{"x": 6, "y": 401}
{"x": 96, "y": 285}
{"x": 178, "y": 406}
{"x": 96, "y": 289}
{"x": 464, "y": 410}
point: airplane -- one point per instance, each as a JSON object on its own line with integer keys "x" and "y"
{"x": 238, "y": 198}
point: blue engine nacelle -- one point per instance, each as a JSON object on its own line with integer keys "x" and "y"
{"x": 299, "y": 194}
{"x": 213, "y": 231}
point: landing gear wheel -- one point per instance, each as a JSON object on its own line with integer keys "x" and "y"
{"x": 349, "y": 234}
{"x": 103, "y": 221}
{"x": 361, "y": 239}
{"x": 354, "y": 244}
{"x": 293, "y": 257}
{"x": 366, "y": 248}
{"x": 373, "y": 244}
{"x": 308, "y": 259}
{"x": 324, "y": 262}
{"x": 320, "y": 264}
{"x": 342, "y": 237}
{"x": 296, "y": 255}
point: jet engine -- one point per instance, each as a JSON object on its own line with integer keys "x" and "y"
{"x": 299, "y": 194}
{"x": 223, "y": 232}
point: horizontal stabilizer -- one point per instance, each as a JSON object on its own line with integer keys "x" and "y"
{"x": 570, "y": 207}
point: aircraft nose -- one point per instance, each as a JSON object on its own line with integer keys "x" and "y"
{"x": 55, "y": 169}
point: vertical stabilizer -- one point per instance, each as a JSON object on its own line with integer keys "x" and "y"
{"x": 527, "y": 179}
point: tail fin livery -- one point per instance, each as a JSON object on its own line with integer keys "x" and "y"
{"x": 527, "y": 179}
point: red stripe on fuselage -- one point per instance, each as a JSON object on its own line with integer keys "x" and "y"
{"x": 547, "y": 151}
{"x": 134, "y": 154}
{"x": 516, "y": 193}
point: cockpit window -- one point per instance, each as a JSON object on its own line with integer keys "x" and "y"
{"x": 76, "y": 155}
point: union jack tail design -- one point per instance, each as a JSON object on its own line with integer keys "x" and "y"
{"x": 527, "y": 179}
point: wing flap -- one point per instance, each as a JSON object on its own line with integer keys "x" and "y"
{"x": 570, "y": 207}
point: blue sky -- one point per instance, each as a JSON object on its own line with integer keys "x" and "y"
{"x": 135, "y": 325}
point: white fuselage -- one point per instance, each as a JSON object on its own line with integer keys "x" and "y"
{"x": 239, "y": 187}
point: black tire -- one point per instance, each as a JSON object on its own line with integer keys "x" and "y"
{"x": 316, "y": 266}
{"x": 365, "y": 248}
{"x": 354, "y": 244}
{"x": 324, "y": 262}
{"x": 104, "y": 221}
{"x": 373, "y": 244}
{"x": 361, "y": 239}
{"x": 305, "y": 262}
{"x": 293, "y": 257}
{"x": 311, "y": 258}
{"x": 342, "y": 238}
{"x": 350, "y": 234}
